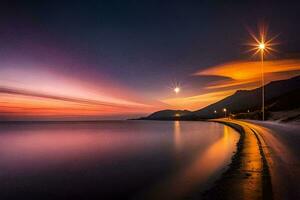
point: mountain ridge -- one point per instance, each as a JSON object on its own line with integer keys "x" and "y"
{"x": 241, "y": 101}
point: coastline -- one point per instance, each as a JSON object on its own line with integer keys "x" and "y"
{"x": 248, "y": 175}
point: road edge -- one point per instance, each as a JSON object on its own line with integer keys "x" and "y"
{"x": 221, "y": 189}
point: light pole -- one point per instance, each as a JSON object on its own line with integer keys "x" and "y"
{"x": 225, "y": 110}
{"x": 262, "y": 46}
{"x": 215, "y": 112}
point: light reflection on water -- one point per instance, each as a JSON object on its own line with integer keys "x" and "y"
{"x": 199, "y": 172}
{"x": 111, "y": 159}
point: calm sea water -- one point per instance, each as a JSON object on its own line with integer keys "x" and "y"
{"x": 112, "y": 159}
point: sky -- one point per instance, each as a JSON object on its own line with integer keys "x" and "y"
{"x": 122, "y": 59}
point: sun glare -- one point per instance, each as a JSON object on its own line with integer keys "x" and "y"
{"x": 176, "y": 90}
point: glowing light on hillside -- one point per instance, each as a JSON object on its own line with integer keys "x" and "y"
{"x": 225, "y": 112}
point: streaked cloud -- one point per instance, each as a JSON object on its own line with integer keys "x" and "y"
{"x": 26, "y": 93}
{"x": 23, "y": 103}
{"x": 36, "y": 93}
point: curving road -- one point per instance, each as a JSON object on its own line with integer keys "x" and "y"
{"x": 248, "y": 177}
{"x": 282, "y": 153}
{"x": 280, "y": 143}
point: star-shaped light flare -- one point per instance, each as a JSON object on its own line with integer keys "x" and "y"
{"x": 261, "y": 43}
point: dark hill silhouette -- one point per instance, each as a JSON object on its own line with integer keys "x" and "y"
{"x": 167, "y": 114}
{"x": 279, "y": 95}
{"x": 287, "y": 101}
{"x": 244, "y": 100}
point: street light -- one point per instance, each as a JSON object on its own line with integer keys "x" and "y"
{"x": 215, "y": 113}
{"x": 262, "y": 45}
{"x": 225, "y": 110}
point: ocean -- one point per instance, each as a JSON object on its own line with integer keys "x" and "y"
{"x": 112, "y": 159}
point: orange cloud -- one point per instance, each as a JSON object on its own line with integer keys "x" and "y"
{"x": 198, "y": 101}
{"x": 237, "y": 75}
{"x": 247, "y": 72}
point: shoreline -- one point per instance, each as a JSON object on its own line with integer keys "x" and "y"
{"x": 248, "y": 175}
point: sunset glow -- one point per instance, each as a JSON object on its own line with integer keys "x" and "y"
{"x": 197, "y": 101}
{"x": 107, "y": 70}
{"x": 149, "y": 100}
{"x": 20, "y": 97}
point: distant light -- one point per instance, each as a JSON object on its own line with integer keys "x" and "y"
{"x": 224, "y": 109}
{"x": 261, "y": 46}
{"x": 177, "y": 115}
{"x": 215, "y": 111}
{"x": 176, "y": 90}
